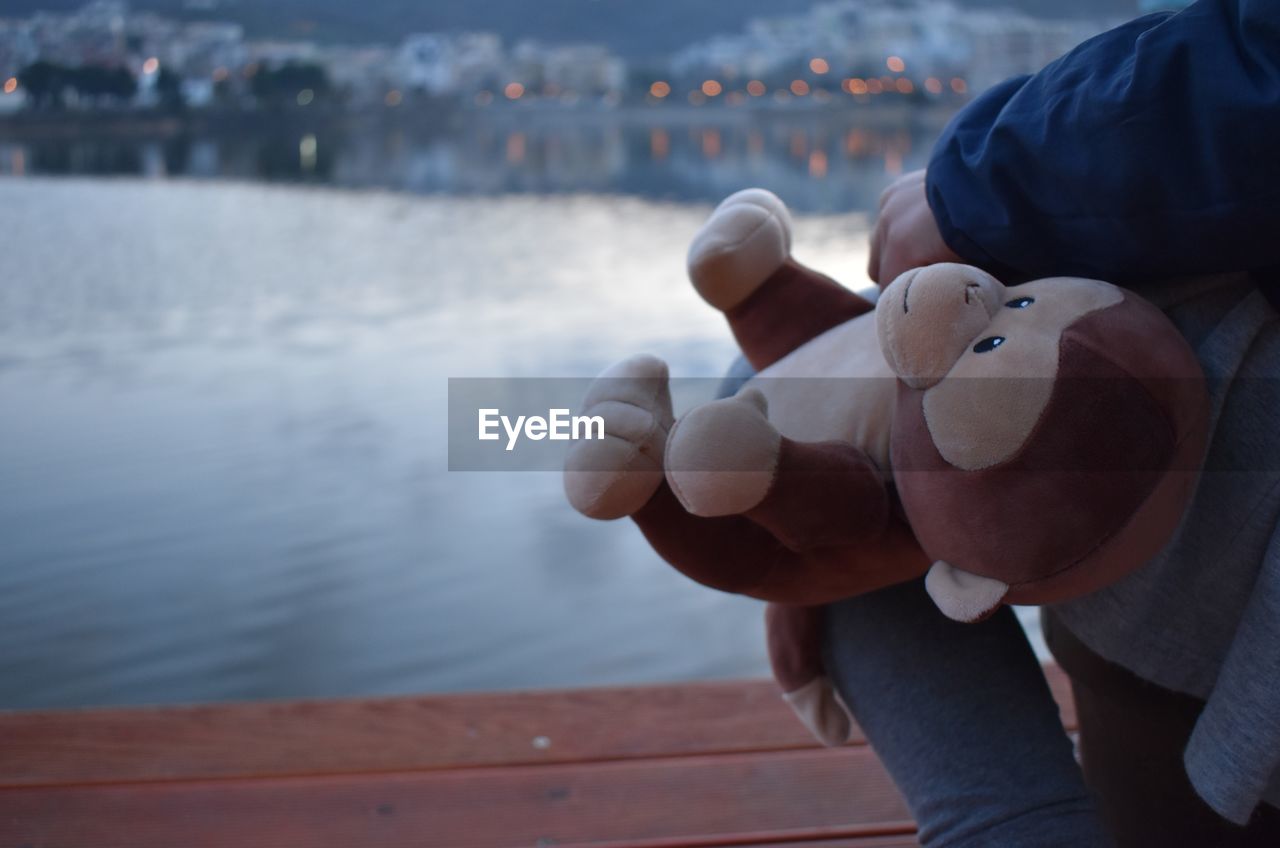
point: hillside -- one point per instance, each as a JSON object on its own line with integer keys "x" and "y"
{"x": 633, "y": 28}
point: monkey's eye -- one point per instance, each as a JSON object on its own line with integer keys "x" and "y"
{"x": 990, "y": 343}
{"x": 1020, "y": 303}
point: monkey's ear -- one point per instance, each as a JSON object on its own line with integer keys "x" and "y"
{"x": 962, "y": 595}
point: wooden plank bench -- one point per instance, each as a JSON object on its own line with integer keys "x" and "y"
{"x": 703, "y": 764}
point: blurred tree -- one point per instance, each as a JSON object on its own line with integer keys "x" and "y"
{"x": 283, "y": 84}
{"x": 224, "y": 91}
{"x": 97, "y": 82}
{"x": 43, "y": 82}
{"x": 121, "y": 84}
{"x": 169, "y": 89}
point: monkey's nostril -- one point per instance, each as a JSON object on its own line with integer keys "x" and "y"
{"x": 970, "y": 289}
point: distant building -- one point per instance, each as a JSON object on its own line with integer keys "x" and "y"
{"x": 1005, "y": 45}
{"x": 919, "y": 39}
{"x": 424, "y": 63}
{"x": 585, "y": 69}
{"x": 363, "y": 74}
{"x": 17, "y": 48}
{"x": 478, "y": 59}
{"x": 443, "y": 64}
{"x": 274, "y": 53}
{"x": 203, "y": 47}
{"x": 106, "y": 33}
{"x": 885, "y": 46}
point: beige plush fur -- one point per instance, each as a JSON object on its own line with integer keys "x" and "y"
{"x": 722, "y": 456}
{"x": 613, "y": 477}
{"x": 985, "y": 409}
{"x": 747, "y": 238}
{"x": 819, "y": 707}
{"x": 837, "y": 386}
{"x": 929, "y": 316}
{"x": 963, "y": 596}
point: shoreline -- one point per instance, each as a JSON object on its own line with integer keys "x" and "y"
{"x": 28, "y": 125}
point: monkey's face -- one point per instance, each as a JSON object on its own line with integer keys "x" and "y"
{"x": 1046, "y": 435}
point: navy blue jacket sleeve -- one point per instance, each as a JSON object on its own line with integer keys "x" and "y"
{"x": 1151, "y": 150}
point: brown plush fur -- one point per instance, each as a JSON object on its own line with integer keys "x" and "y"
{"x": 1126, "y": 412}
{"x": 793, "y": 306}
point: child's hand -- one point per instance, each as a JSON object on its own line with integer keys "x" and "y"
{"x": 906, "y": 235}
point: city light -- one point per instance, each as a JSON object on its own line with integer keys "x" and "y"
{"x": 855, "y": 143}
{"x": 710, "y": 143}
{"x": 818, "y": 164}
{"x": 515, "y": 148}
{"x": 799, "y": 145}
{"x": 659, "y": 143}
{"x": 307, "y": 152}
{"x": 738, "y": 65}
{"x": 892, "y": 163}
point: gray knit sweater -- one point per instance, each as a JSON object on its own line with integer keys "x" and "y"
{"x": 1203, "y": 618}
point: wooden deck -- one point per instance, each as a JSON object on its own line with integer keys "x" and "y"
{"x": 708, "y": 764}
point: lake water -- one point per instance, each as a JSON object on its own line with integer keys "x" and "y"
{"x": 222, "y": 437}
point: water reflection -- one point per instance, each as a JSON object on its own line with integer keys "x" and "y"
{"x": 222, "y": 454}
{"x": 818, "y": 164}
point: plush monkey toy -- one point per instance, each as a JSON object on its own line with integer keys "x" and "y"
{"x": 1023, "y": 444}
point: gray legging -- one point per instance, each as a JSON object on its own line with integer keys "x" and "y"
{"x": 964, "y": 721}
